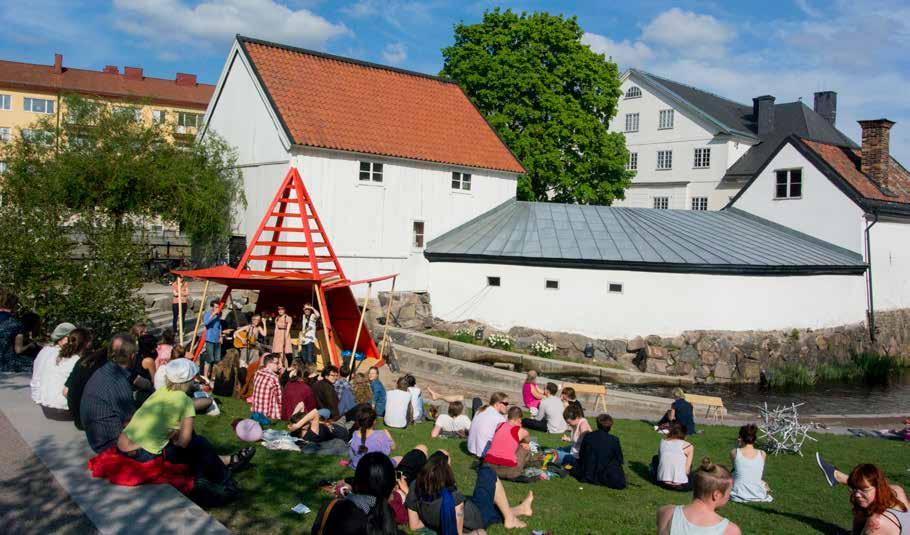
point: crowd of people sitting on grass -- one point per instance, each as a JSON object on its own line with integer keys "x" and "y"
{"x": 137, "y": 396}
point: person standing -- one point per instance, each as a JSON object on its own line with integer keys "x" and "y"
{"x": 107, "y": 402}
{"x": 255, "y": 334}
{"x": 307, "y": 342}
{"x": 180, "y": 290}
{"x": 213, "y": 327}
{"x": 281, "y": 343}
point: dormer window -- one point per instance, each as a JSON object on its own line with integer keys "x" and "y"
{"x": 633, "y": 92}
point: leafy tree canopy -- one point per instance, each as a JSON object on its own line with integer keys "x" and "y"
{"x": 550, "y": 98}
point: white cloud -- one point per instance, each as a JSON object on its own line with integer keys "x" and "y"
{"x": 395, "y": 53}
{"x": 625, "y": 53}
{"x": 808, "y": 9}
{"x": 688, "y": 33}
{"x": 216, "y": 21}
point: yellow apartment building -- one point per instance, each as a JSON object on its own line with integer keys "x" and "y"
{"x": 29, "y": 92}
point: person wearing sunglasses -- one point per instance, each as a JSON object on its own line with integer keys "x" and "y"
{"x": 485, "y": 422}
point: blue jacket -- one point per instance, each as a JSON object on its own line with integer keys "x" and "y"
{"x": 212, "y": 327}
{"x": 378, "y": 397}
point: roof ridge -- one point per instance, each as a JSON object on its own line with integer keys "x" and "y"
{"x": 343, "y": 59}
{"x": 646, "y": 73}
{"x": 93, "y": 71}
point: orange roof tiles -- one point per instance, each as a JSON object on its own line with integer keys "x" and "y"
{"x": 158, "y": 90}
{"x": 337, "y": 103}
{"x": 846, "y": 162}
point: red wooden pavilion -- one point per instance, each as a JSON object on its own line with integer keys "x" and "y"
{"x": 297, "y": 271}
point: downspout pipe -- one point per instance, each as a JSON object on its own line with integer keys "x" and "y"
{"x": 870, "y": 303}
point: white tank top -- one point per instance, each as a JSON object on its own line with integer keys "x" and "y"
{"x": 672, "y": 465}
{"x": 680, "y": 525}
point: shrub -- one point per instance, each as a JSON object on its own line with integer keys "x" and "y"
{"x": 543, "y": 349}
{"x": 463, "y": 335}
{"x": 500, "y": 341}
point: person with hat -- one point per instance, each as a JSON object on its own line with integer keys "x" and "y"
{"x": 163, "y": 426}
{"x": 47, "y": 355}
{"x": 52, "y": 375}
{"x": 307, "y": 343}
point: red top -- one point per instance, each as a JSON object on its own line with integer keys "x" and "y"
{"x": 504, "y": 446}
{"x": 294, "y": 393}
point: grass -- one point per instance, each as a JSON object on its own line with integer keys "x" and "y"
{"x": 278, "y": 480}
{"x": 865, "y": 367}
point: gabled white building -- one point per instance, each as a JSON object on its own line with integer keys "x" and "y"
{"x": 693, "y": 150}
{"x": 392, "y": 158}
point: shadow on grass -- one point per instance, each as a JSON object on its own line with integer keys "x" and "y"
{"x": 819, "y": 525}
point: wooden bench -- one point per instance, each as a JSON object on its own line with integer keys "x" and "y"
{"x": 600, "y": 391}
{"x": 713, "y": 405}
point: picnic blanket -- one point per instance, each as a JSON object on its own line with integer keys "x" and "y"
{"x": 122, "y": 470}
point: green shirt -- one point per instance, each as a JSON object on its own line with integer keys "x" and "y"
{"x": 161, "y": 414}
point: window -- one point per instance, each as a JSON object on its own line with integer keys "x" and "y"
{"x": 789, "y": 184}
{"x": 188, "y": 120}
{"x": 493, "y": 281}
{"x": 633, "y": 92}
{"x": 6, "y": 102}
{"x": 631, "y": 122}
{"x": 39, "y": 105}
{"x": 666, "y": 120}
{"x": 4, "y": 133}
{"x": 702, "y": 158}
{"x": 134, "y": 113}
{"x": 39, "y": 137}
{"x": 661, "y": 203}
{"x": 665, "y": 159}
{"x": 370, "y": 171}
{"x": 417, "y": 242}
{"x": 2, "y": 167}
{"x": 699, "y": 203}
{"x": 461, "y": 181}
{"x": 159, "y": 116}
{"x": 551, "y": 284}
{"x": 632, "y": 164}
{"x": 614, "y": 288}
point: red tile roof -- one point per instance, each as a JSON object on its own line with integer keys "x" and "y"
{"x": 847, "y": 162}
{"x": 337, "y": 103}
{"x": 29, "y": 76}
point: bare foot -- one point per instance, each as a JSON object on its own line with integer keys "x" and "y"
{"x": 515, "y": 524}
{"x": 433, "y": 395}
{"x": 524, "y": 508}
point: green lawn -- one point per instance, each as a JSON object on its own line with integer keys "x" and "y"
{"x": 278, "y": 480}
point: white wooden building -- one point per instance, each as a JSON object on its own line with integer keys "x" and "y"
{"x": 392, "y": 158}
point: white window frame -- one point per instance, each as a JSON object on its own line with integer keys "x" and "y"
{"x": 664, "y": 160}
{"x": 633, "y": 92}
{"x": 660, "y": 202}
{"x": 699, "y": 203}
{"x": 6, "y": 134}
{"x": 159, "y": 116}
{"x": 546, "y": 284}
{"x": 610, "y": 290}
{"x": 461, "y": 181}
{"x": 418, "y": 239}
{"x": 182, "y": 128}
{"x": 789, "y": 184}
{"x": 665, "y": 120}
{"x": 3, "y": 167}
{"x": 28, "y": 104}
{"x": 701, "y": 158}
{"x": 632, "y": 162}
{"x": 6, "y": 102}
{"x": 372, "y": 173}
{"x": 137, "y": 113}
{"x": 632, "y": 120}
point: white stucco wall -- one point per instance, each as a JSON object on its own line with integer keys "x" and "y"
{"x": 651, "y": 303}
{"x": 890, "y": 248}
{"x": 823, "y": 211}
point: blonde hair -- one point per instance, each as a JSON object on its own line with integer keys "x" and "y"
{"x": 679, "y": 393}
{"x": 710, "y": 477}
{"x": 532, "y": 376}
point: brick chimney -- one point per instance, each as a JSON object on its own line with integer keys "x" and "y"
{"x": 58, "y": 63}
{"x": 186, "y": 79}
{"x": 763, "y": 114}
{"x": 876, "y": 159}
{"x": 111, "y": 69}
{"x": 133, "y": 73}
{"x": 826, "y": 105}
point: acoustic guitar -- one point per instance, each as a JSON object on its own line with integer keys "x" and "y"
{"x": 242, "y": 337}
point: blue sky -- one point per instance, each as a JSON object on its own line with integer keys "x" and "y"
{"x": 787, "y": 48}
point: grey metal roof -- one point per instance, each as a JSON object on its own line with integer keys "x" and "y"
{"x": 641, "y": 239}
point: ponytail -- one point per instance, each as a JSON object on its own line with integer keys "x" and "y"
{"x": 363, "y": 441}
{"x": 365, "y": 419}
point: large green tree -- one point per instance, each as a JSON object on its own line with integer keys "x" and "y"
{"x": 550, "y": 98}
{"x": 79, "y": 192}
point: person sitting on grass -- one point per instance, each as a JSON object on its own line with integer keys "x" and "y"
{"x": 531, "y": 394}
{"x": 309, "y": 425}
{"x": 438, "y": 402}
{"x": 398, "y": 408}
{"x": 297, "y": 391}
{"x": 600, "y": 460}
{"x": 452, "y": 425}
{"x": 435, "y": 502}
{"x": 485, "y": 422}
{"x": 164, "y": 348}
{"x": 680, "y": 411}
{"x": 378, "y": 389}
{"x": 163, "y": 426}
{"x": 510, "y": 448}
{"x": 549, "y": 413}
{"x": 366, "y": 510}
{"x": 748, "y": 469}
{"x": 267, "y": 391}
{"x": 344, "y": 390}
{"x": 416, "y": 398}
{"x": 569, "y": 397}
{"x": 324, "y": 390}
{"x": 568, "y": 454}
{"x": 367, "y": 439}
{"x": 670, "y": 467}
{"x": 878, "y": 506}
{"x": 711, "y": 491}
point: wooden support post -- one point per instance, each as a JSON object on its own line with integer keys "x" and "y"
{"x": 363, "y": 313}
{"x": 205, "y": 292}
{"x": 326, "y": 328}
{"x": 388, "y": 314}
{"x": 180, "y": 297}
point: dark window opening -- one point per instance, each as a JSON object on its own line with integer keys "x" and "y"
{"x": 493, "y": 281}
{"x": 552, "y": 285}
{"x": 615, "y": 288}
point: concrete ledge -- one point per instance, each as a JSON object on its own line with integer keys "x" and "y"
{"x": 112, "y": 509}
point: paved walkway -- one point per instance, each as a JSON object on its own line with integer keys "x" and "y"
{"x": 50, "y": 489}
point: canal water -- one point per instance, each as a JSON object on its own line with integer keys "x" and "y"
{"x": 829, "y": 398}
